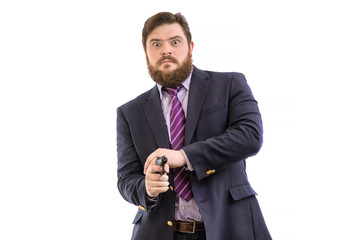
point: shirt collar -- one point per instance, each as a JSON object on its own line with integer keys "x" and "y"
{"x": 186, "y": 85}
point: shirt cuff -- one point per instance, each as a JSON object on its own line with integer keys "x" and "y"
{"x": 188, "y": 165}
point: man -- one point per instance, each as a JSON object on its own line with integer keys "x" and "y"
{"x": 206, "y": 124}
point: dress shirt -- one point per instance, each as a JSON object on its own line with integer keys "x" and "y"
{"x": 183, "y": 210}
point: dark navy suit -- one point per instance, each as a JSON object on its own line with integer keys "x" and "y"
{"x": 223, "y": 128}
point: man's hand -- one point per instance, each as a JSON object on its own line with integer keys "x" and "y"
{"x": 154, "y": 182}
{"x": 175, "y": 158}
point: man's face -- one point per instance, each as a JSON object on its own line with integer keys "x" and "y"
{"x": 167, "y": 52}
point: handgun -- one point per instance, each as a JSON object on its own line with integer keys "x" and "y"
{"x": 161, "y": 161}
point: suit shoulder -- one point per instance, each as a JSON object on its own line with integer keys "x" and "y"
{"x": 135, "y": 102}
{"x": 225, "y": 77}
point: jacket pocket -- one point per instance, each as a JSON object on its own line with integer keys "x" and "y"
{"x": 240, "y": 192}
{"x": 138, "y": 216}
{"x": 212, "y": 109}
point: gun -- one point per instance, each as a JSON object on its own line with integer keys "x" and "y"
{"x": 161, "y": 161}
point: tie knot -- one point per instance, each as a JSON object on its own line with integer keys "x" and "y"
{"x": 172, "y": 91}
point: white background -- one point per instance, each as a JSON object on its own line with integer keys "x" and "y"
{"x": 65, "y": 66}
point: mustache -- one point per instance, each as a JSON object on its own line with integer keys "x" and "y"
{"x": 167, "y": 58}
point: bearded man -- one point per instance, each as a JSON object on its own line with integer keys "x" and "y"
{"x": 205, "y": 124}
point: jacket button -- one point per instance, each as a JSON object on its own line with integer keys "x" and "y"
{"x": 171, "y": 188}
{"x": 170, "y": 223}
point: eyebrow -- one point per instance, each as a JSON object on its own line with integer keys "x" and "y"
{"x": 159, "y": 40}
{"x": 177, "y": 36}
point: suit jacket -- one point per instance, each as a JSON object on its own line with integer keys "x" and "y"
{"x": 223, "y": 128}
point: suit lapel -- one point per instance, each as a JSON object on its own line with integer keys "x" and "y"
{"x": 155, "y": 118}
{"x": 198, "y": 89}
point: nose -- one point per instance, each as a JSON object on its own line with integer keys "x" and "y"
{"x": 166, "y": 51}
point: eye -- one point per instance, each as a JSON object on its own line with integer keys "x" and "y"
{"x": 175, "y": 42}
{"x": 156, "y": 44}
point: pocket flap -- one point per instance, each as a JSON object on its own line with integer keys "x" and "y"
{"x": 138, "y": 216}
{"x": 212, "y": 109}
{"x": 240, "y": 192}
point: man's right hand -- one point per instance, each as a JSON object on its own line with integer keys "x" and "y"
{"x": 154, "y": 182}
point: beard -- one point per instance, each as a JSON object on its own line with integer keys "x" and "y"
{"x": 173, "y": 78}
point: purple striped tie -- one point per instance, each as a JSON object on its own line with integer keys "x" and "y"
{"x": 177, "y": 134}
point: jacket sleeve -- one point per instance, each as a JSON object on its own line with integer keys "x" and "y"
{"x": 131, "y": 180}
{"x": 241, "y": 138}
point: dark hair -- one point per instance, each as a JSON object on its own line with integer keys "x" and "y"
{"x": 165, "y": 18}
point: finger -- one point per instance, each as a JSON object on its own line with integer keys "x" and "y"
{"x": 161, "y": 189}
{"x": 164, "y": 178}
{"x": 154, "y": 187}
{"x": 153, "y": 192}
{"x": 157, "y": 184}
{"x": 154, "y": 179}
{"x": 146, "y": 165}
{"x": 148, "y": 162}
{"x": 153, "y": 169}
{"x": 167, "y": 168}
{"x": 151, "y": 158}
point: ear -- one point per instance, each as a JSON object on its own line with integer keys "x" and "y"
{"x": 191, "y": 47}
{"x": 145, "y": 51}
{"x": 146, "y": 55}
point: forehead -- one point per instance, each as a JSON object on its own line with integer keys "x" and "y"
{"x": 166, "y": 31}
